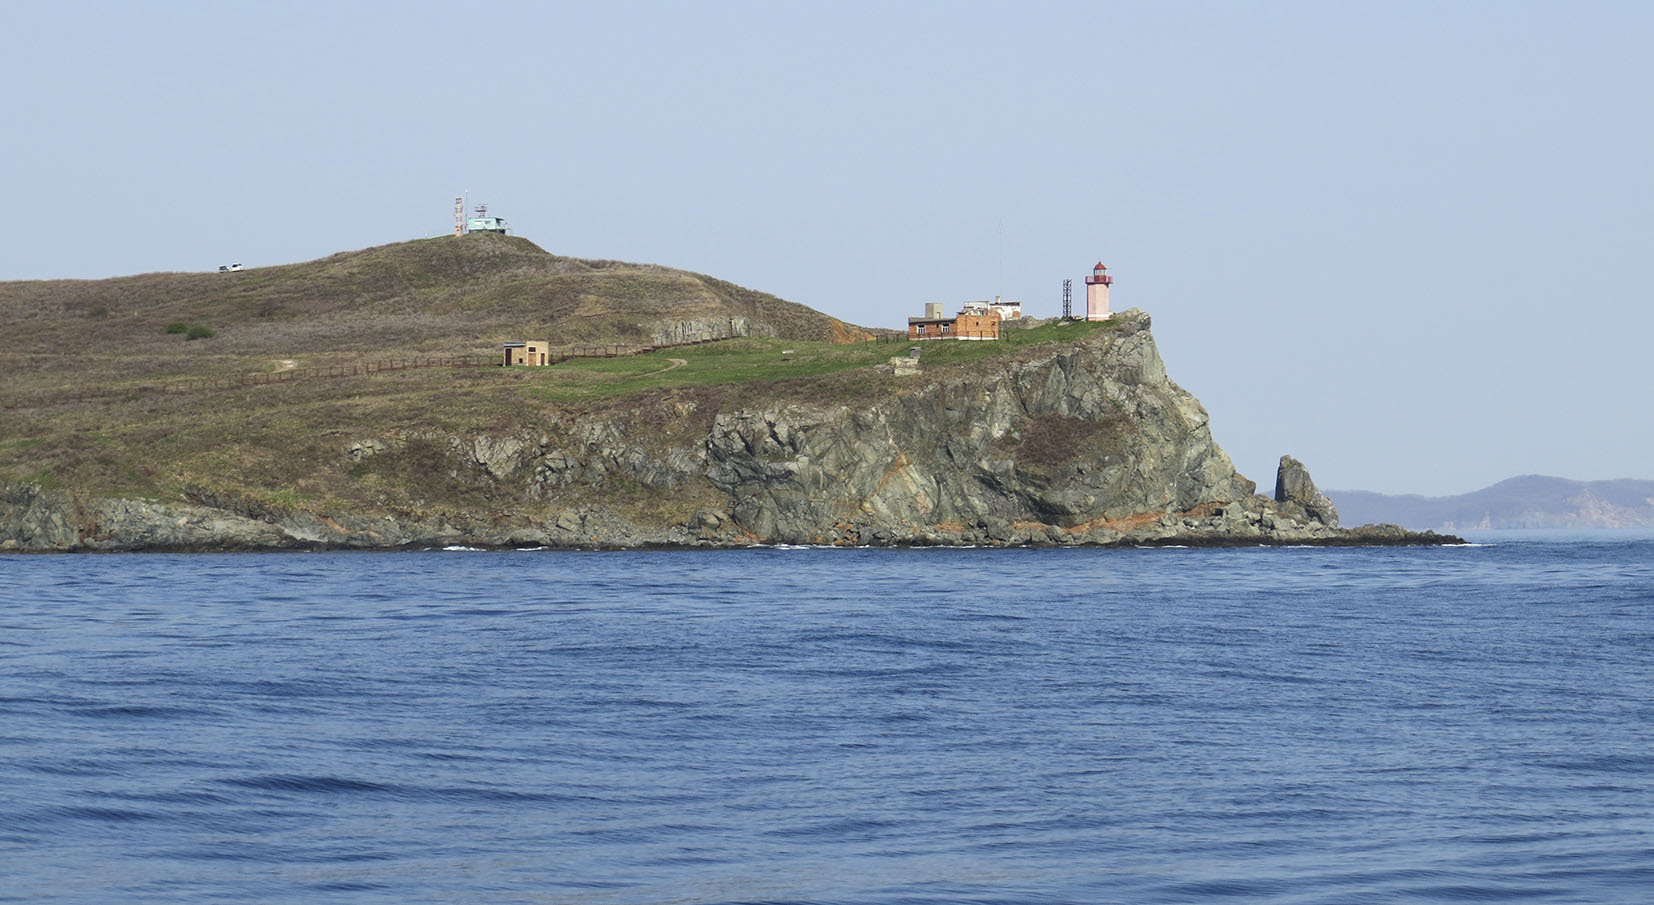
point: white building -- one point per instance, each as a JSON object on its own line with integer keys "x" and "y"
{"x": 1008, "y": 310}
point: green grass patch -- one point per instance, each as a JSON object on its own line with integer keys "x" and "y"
{"x": 44, "y": 479}
{"x": 286, "y": 496}
{"x": 189, "y": 331}
{"x": 956, "y": 351}
{"x": 746, "y": 360}
{"x": 750, "y": 360}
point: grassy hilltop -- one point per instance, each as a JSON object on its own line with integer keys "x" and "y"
{"x": 439, "y": 296}
{"x": 84, "y": 403}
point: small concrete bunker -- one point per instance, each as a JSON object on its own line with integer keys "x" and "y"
{"x": 529, "y": 352}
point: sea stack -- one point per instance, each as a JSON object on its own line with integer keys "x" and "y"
{"x": 1293, "y": 485}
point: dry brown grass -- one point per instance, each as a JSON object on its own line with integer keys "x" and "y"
{"x": 446, "y": 296}
{"x": 1048, "y": 442}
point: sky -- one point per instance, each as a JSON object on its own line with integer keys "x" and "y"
{"x": 1404, "y": 242}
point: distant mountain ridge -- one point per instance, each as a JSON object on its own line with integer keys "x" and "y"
{"x": 1527, "y": 501}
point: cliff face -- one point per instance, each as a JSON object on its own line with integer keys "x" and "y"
{"x": 1079, "y": 443}
{"x": 1082, "y": 444}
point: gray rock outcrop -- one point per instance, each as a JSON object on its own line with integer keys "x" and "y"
{"x": 39, "y": 520}
{"x": 1085, "y": 444}
{"x": 701, "y": 329}
{"x": 1294, "y": 488}
{"x": 33, "y": 518}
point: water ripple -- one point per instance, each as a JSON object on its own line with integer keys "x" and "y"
{"x": 844, "y": 726}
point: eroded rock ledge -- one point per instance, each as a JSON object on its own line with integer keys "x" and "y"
{"x": 1088, "y": 443}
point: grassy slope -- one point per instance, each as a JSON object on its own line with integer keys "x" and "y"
{"x": 442, "y": 296}
{"x": 83, "y": 422}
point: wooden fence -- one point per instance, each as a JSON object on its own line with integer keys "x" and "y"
{"x": 368, "y": 368}
{"x": 963, "y": 334}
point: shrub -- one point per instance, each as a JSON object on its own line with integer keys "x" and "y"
{"x": 198, "y": 332}
{"x": 1048, "y": 442}
{"x": 178, "y": 327}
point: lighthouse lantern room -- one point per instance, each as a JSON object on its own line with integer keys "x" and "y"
{"x": 1096, "y": 293}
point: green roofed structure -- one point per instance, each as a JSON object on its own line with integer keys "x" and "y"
{"x": 482, "y": 223}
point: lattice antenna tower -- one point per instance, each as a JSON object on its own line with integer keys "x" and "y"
{"x": 459, "y": 216}
{"x": 1067, "y": 300}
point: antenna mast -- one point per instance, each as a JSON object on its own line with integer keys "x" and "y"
{"x": 459, "y": 216}
{"x": 1067, "y": 300}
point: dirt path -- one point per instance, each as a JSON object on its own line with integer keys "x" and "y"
{"x": 675, "y": 363}
{"x": 286, "y": 364}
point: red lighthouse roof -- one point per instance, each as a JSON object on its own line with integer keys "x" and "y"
{"x": 1099, "y": 266}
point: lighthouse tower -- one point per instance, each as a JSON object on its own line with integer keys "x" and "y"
{"x": 1096, "y": 293}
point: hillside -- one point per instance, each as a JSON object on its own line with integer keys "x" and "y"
{"x": 443, "y": 296}
{"x": 1527, "y": 501}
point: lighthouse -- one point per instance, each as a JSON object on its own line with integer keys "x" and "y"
{"x": 1096, "y": 293}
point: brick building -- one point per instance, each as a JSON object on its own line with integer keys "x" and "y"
{"x": 971, "y": 323}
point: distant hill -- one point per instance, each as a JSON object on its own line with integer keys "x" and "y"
{"x": 1528, "y": 501}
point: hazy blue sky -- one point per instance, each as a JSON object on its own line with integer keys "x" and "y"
{"x": 1407, "y": 243}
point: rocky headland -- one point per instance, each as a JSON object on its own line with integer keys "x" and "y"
{"x": 1077, "y": 443}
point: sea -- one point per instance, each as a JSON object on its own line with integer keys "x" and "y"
{"x": 1273, "y": 725}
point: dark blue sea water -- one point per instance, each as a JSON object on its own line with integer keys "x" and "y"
{"x": 1468, "y": 724}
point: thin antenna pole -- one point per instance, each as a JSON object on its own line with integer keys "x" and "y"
{"x": 1000, "y": 282}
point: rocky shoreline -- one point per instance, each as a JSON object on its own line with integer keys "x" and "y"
{"x": 52, "y": 522}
